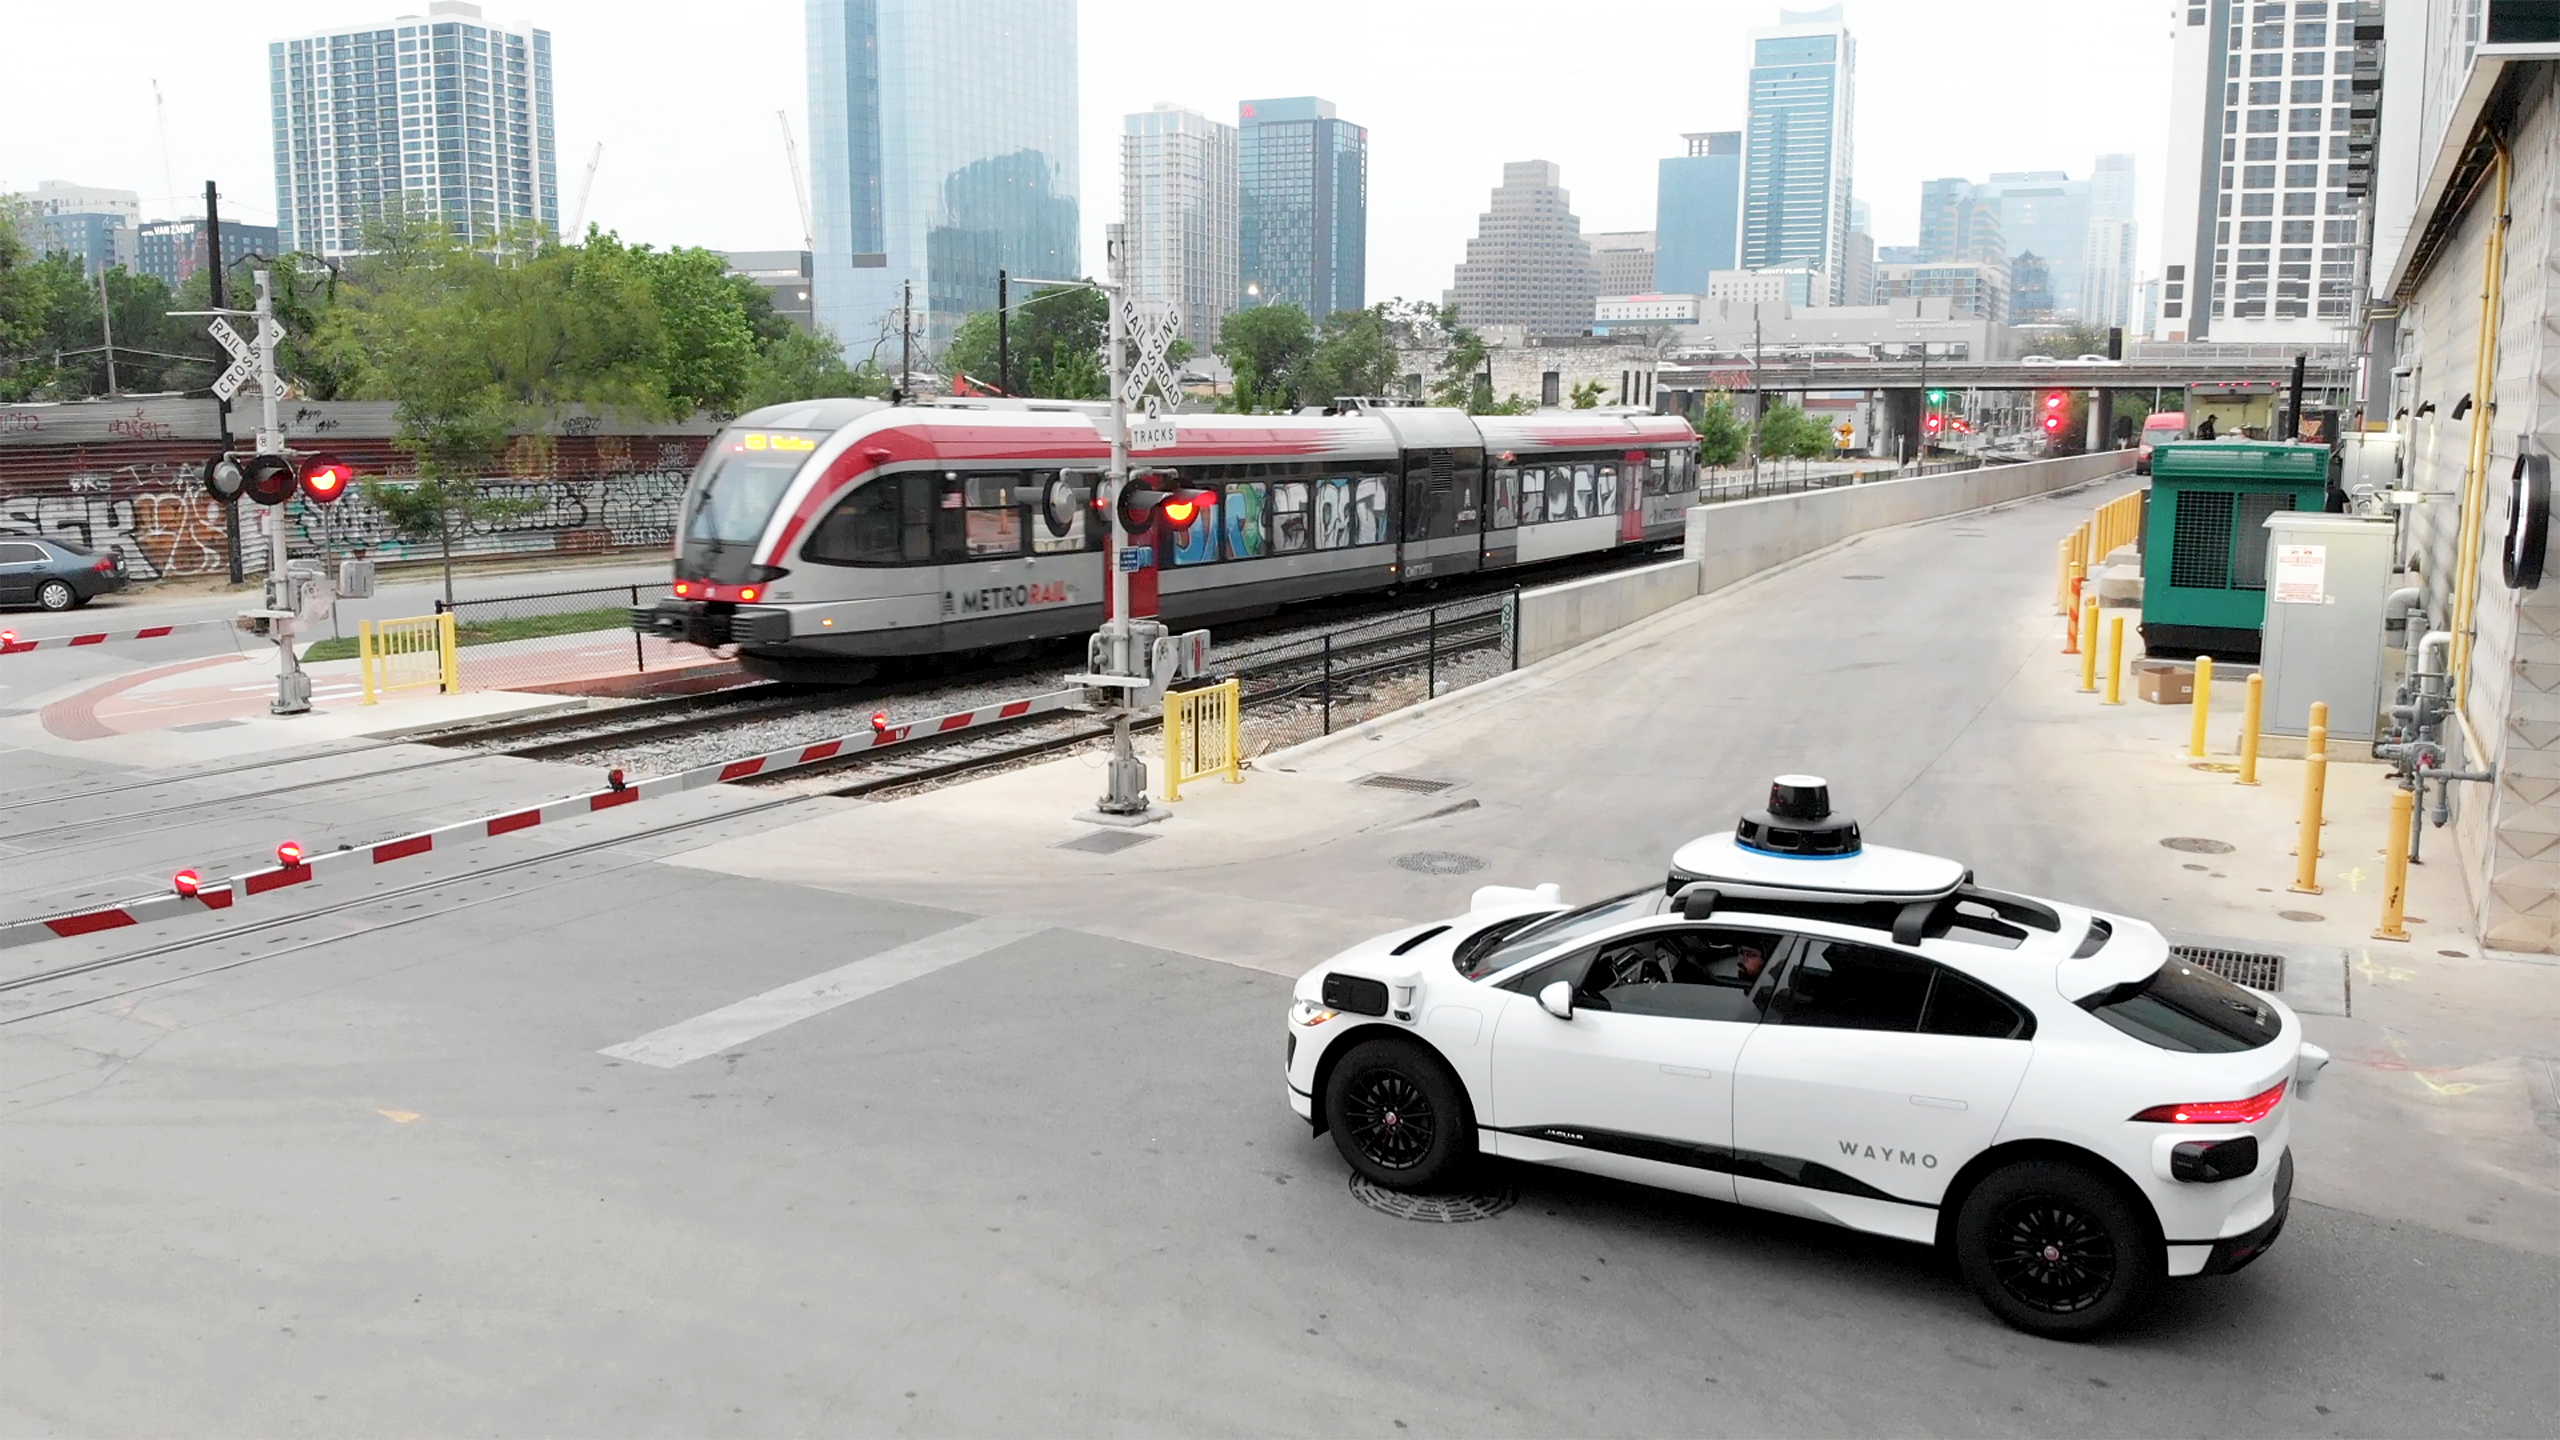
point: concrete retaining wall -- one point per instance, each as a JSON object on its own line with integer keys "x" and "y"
{"x": 1735, "y": 541}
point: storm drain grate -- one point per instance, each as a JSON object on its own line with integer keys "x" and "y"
{"x": 1454, "y": 1209}
{"x": 1440, "y": 862}
{"x": 1104, "y": 842}
{"x": 1410, "y": 784}
{"x": 2240, "y": 967}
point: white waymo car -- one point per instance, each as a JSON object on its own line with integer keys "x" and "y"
{"x": 1804, "y": 1023}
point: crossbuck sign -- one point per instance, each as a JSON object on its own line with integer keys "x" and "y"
{"x": 244, "y": 355}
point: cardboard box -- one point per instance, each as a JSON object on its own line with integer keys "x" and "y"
{"x": 2166, "y": 685}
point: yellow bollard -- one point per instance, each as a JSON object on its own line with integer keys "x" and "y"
{"x": 2249, "y": 717}
{"x": 2395, "y": 867}
{"x": 2315, "y": 780}
{"x": 2115, "y": 659}
{"x": 2316, "y": 741}
{"x": 2203, "y": 704}
{"x": 2071, "y": 631}
{"x": 2089, "y": 645}
{"x": 2062, "y": 573}
{"x": 364, "y": 657}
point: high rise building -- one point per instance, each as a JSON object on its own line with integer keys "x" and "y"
{"x": 1624, "y": 259}
{"x": 1858, "y": 287}
{"x": 1974, "y": 287}
{"x": 1797, "y": 154}
{"x": 783, "y": 275}
{"x": 1697, "y": 212}
{"x": 2046, "y": 213}
{"x": 1179, "y": 199}
{"x": 1528, "y": 265}
{"x": 94, "y": 225}
{"x": 444, "y": 116}
{"x": 2265, "y": 185}
{"x": 173, "y": 250}
{"x": 2106, "y": 266}
{"x": 942, "y": 148}
{"x": 1303, "y": 174}
{"x": 1959, "y": 222}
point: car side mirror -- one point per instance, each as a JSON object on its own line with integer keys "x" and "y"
{"x": 1557, "y": 999}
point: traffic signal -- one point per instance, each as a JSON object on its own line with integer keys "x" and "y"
{"x": 325, "y": 478}
{"x": 270, "y": 480}
{"x": 222, "y": 478}
{"x": 2057, "y": 411}
{"x": 1934, "y": 423}
{"x": 1937, "y": 397}
{"x": 1145, "y": 498}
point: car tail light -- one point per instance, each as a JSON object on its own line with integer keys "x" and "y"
{"x": 2217, "y": 1112}
{"x": 106, "y": 565}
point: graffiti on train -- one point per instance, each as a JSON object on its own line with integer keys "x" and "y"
{"x": 159, "y": 520}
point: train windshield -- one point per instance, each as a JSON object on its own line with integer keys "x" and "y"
{"x": 742, "y": 480}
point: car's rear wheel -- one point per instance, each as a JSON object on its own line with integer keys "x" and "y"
{"x": 1398, "y": 1116}
{"x": 2055, "y": 1250}
{"x": 56, "y": 595}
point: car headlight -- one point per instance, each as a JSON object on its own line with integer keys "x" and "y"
{"x": 1308, "y": 1012}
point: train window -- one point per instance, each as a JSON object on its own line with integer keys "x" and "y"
{"x": 1657, "y": 476}
{"x": 1245, "y": 511}
{"x": 1369, "y": 511}
{"x": 926, "y": 515}
{"x": 1506, "y": 497}
{"x": 1197, "y": 543}
{"x": 1604, "y": 489}
{"x": 1533, "y": 495}
{"x": 995, "y": 515}
{"x": 1045, "y": 539}
{"x": 863, "y": 529}
{"x": 1289, "y": 530}
{"x": 1560, "y": 491}
{"x": 1333, "y": 513}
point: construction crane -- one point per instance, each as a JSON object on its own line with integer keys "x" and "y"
{"x": 586, "y": 188}
{"x": 799, "y": 182}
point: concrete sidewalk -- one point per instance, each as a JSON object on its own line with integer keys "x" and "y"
{"x": 1920, "y": 670}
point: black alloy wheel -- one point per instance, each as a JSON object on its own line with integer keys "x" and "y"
{"x": 2057, "y": 1249}
{"x": 56, "y": 595}
{"x": 1398, "y": 1116}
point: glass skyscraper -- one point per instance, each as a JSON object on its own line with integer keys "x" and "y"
{"x": 942, "y": 149}
{"x": 1304, "y": 176}
{"x": 1796, "y": 159}
{"x": 1697, "y": 212}
{"x": 445, "y": 116}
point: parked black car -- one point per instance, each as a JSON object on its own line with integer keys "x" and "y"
{"x": 44, "y": 572}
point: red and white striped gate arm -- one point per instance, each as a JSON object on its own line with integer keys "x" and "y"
{"x": 222, "y": 894}
{"x": 12, "y": 643}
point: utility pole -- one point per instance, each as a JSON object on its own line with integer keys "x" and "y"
{"x": 1759, "y": 397}
{"x": 1004, "y": 339}
{"x": 222, "y": 404}
{"x": 107, "y": 324}
{"x": 255, "y": 359}
{"x": 906, "y": 333}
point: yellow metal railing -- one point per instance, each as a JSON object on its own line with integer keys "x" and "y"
{"x": 1203, "y": 736}
{"x": 407, "y": 654}
{"x": 2111, "y": 527}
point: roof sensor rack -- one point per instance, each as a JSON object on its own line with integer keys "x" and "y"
{"x": 1798, "y": 821}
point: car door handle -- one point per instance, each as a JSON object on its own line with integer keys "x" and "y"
{"x": 1936, "y": 1103}
{"x": 1689, "y": 1071}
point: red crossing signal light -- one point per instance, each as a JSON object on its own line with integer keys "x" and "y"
{"x": 325, "y": 478}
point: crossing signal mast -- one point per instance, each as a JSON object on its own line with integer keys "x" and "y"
{"x": 2057, "y": 412}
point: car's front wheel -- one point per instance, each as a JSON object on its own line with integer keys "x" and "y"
{"x": 56, "y": 595}
{"x": 1398, "y": 1116}
{"x": 2055, "y": 1250}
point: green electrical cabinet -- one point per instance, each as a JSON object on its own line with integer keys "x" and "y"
{"x": 2204, "y": 542}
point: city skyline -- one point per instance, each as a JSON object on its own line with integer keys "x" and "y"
{"x": 712, "y": 173}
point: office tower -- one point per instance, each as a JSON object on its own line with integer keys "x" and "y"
{"x": 1797, "y": 155}
{"x": 1858, "y": 287}
{"x": 1976, "y": 287}
{"x": 942, "y": 149}
{"x": 1528, "y": 265}
{"x": 783, "y": 275}
{"x": 2266, "y": 174}
{"x": 1959, "y": 222}
{"x": 1178, "y": 200}
{"x": 1624, "y": 260}
{"x": 93, "y": 224}
{"x": 2044, "y": 213}
{"x": 1304, "y": 178}
{"x": 173, "y": 250}
{"x": 445, "y": 116}
{"x": 2106, "y": 266}
{"x": 2030, "y": 288}
{"x": 1697, "y": 212}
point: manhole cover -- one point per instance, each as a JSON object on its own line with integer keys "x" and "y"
{"x": 2240, "y": 967}
{"x": 1440, "y": 862}
{"x": 2196, "y": 846}
{"x": 1105, "y": 842}
{"x": 1455, "y": 1209}
{"x": 2305, "y": 916}
{"x": 1410, "y": 784}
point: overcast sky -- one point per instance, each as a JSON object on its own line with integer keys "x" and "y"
{"x": 683, "y": 99}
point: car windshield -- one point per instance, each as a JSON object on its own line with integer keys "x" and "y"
{"x": 2180, "y": 1007}
{"x": 743, "y": 478}
{"x": 1503, "y": 946}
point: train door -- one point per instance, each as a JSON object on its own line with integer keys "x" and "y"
{"x": 1631, "y": 475}
{"x": 1440, "y": 521}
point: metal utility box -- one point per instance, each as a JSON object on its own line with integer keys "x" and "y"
{"x": 2204, "y": 556}
{"x": 2328, "y": 577}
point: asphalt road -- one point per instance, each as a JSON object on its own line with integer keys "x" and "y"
{"x": 389, "y": 1186}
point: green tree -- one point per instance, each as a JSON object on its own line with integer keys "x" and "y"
{"x": 1355, "y": 354}
{"x": 1787, "y": 433}
{"x": 1057, "y": 336}
{"x": 1586, "y": 396}
{"x": 1460, "y": 380}
{"x": 2066, "y": 341}
{"x": 1264, "y": 346}
{"x": 1723, "y": 436}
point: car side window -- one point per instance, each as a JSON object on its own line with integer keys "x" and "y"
{"x": 1844, "y": 986}
{"x": 20, "y": 554}
{"x": 1691, "y": 972}
{"x": 1960, "y": 1006}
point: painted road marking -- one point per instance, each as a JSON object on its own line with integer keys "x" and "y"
{"x": 789, "y": 1004}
